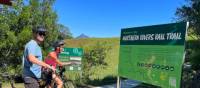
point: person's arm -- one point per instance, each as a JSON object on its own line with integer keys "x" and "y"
{"x": 72, "y": 62}
{"x": 31, "y": 49}
{"x": 67, "y": 63}
{"x": 34, "y": 60}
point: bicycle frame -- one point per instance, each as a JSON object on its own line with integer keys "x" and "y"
{"x": 66, "y": 83}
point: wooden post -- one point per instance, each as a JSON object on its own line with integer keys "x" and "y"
{"x": 118, "y": 82}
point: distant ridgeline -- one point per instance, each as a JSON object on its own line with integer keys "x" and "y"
{"x": 82, "y": 36}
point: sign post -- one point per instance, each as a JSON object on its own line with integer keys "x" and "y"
{"x": 118, "y": 82}
{"x": 153, "y": 54}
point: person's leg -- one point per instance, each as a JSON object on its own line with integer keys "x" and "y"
{"x": 58, "y": 81}
{"x": 30, "y": 82}
{"x": 48, "y": 86}
{"x": 49, "y": 82}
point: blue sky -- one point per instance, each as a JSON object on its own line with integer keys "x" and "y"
{"x": 105, "y": 18}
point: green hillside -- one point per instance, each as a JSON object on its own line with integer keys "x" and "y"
{"x": 111, "y": 59}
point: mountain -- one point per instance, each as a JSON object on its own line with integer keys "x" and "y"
{"x": 82, "y": 36}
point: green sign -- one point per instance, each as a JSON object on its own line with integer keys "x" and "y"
{"x": 71, "y": 54}
{"x": 153, "y": 54}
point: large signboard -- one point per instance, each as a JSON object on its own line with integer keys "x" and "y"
{"x": 153, "y": 54}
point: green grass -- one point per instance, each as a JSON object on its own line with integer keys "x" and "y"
{"x": 111, "y": 59}
{"x": 100, "y": 75}
{"x": 17, "y": 85}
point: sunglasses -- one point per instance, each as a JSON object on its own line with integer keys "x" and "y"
{"x": 42, "y": 33}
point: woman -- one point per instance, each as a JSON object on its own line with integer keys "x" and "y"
{"x": 52, "y": 59}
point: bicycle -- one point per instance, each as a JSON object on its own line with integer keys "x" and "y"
{"x": 48, "y": 72}
{"x": 66, "y": 83}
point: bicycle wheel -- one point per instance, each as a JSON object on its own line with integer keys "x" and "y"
{"x": 68, "y": 84}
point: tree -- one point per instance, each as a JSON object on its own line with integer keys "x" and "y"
{"x": 64, "y": 32}
{"x": 191, "y": 12}
{"x": 16, "y": 24}
{"x": 8, "y": 32}
{"x": 94, "y": 57}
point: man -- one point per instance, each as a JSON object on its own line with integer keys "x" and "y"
{"x": 32, "y": 59}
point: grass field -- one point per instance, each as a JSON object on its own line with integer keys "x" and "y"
{"x": 17, "y": 85}
{"x": 111, "y": 58}
{"x": 100, "y": 74}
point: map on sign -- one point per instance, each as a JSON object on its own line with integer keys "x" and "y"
{"x": 72, "y": 54}
{"x": 153, "y": 54}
